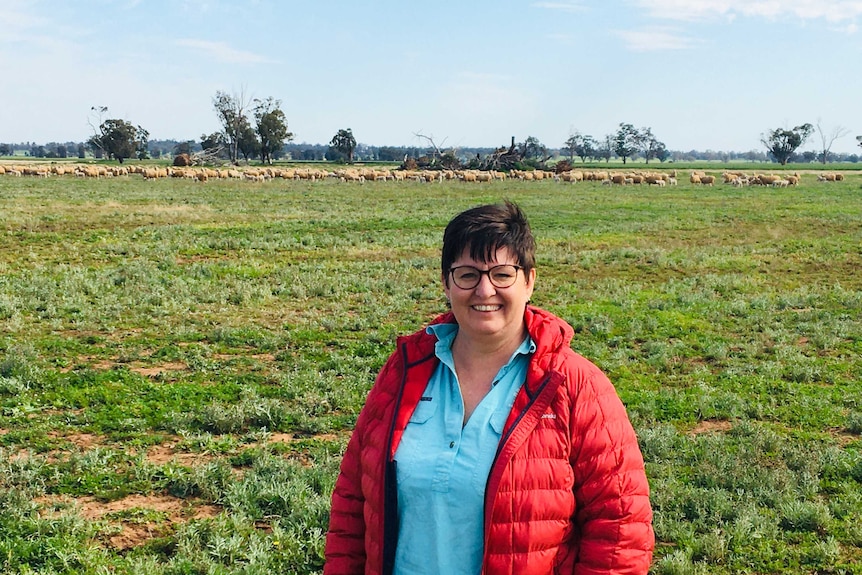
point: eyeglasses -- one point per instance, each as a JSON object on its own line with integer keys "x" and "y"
{"x": 468, "y": 277}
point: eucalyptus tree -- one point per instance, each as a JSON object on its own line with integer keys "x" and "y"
{"x": 120, "y": 140}
{"x": 344, "y": 142}
{"x": 582, "y": 146}
{"x": 271, "y": 128}
{"x": 231, "y": 111}
{"x": 782, "y": 143}
{"x": 627, "y": 141}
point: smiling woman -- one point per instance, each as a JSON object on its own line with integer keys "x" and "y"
{"x": 486, "y": 443}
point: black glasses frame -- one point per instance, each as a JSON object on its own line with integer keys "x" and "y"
{"x": 486, "y": 272}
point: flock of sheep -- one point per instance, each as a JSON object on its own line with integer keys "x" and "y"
{"x": 365, "y": 174}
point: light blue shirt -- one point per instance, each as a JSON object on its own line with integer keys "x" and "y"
{"x": 443, "y": 465}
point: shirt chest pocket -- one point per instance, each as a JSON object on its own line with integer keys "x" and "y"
{"x": 424, "y": 411}
{"x": 412, "y": 454}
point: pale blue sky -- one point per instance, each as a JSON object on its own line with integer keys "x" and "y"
{"x": 703, "y": 74}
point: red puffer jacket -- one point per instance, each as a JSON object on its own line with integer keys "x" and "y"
{"x": 567, "y": 492}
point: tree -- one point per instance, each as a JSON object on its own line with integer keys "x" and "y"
{"x": 271, "y": 127}
{"x": 571, "y": 146}
{"x": 605, "y": 149}
{"x": 344, "y": 142}
{"x": 627, "y": 141}
{"x": 5, "y": 150}
{"x": 581, "y": 146}
{"x": 214, "y": 146}
{"x": 247, "y": 143}
{"x": 782, "y": 143}
{"x": 231, "y": 109}
{"x": 533, "y": 149}
{"x": 828, "y": 138}
{"x": 651, "y": 147}
{"x": 587, "y": 149}
{"x": 119, "y": 139}
{"x": 859, "y": 139}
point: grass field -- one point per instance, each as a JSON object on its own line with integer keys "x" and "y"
{"x": 181, "y": 363}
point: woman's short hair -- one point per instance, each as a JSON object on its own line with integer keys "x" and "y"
{"x": 484, "y": 230}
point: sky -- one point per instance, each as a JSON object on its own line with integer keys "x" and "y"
{"x": 701, "y": 74}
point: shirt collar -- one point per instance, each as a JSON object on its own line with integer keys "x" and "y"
{"x": 446, "y": 332}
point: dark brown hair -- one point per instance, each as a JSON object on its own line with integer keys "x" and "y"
{"x": 484, "y": 230}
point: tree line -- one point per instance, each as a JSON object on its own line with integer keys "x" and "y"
{"x": 257, "y": 129}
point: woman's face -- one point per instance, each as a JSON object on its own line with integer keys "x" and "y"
{"x": 488, "y": 311}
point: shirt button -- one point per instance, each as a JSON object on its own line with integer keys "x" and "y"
{"x": 451, "y": 444}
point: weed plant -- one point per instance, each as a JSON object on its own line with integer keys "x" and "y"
{"x": 237, "y": 327}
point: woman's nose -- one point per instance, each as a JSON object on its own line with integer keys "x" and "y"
{"x": 485, "y": 287}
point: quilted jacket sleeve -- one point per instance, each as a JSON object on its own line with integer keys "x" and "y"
{"x": 354, "y": 540}
{"x": 614, "y": 517}
{"x": 345, "y": 540}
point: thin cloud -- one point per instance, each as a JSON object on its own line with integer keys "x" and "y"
{"x": 484, "y": 95}
{"x": 654, "y": 40}
{"x": 832, "y": 11}
{"x": 221, "y": 52}
{"x": 17, "y": 21}
{"x": 561, "y": 6}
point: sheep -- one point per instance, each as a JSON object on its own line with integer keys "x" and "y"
{"x": 707, "y": 180}
{"x": 671, "y": 180}
{"x": 571, "y": 176}
{"x": 767, "y": 179}
{"x": 694, "y": 178}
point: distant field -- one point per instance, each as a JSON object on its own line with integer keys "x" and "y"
{"x": 181, "y": 363}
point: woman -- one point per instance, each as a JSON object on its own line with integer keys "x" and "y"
{"x": 486, "y": 444}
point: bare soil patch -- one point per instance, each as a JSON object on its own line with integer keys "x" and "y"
{"x": 167, "y": 453}
{"x": 160, "y": 369}
{"x": 129, "y": 532}
{"x": 711, "y": 426}
{"x": 137, "y": 367}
